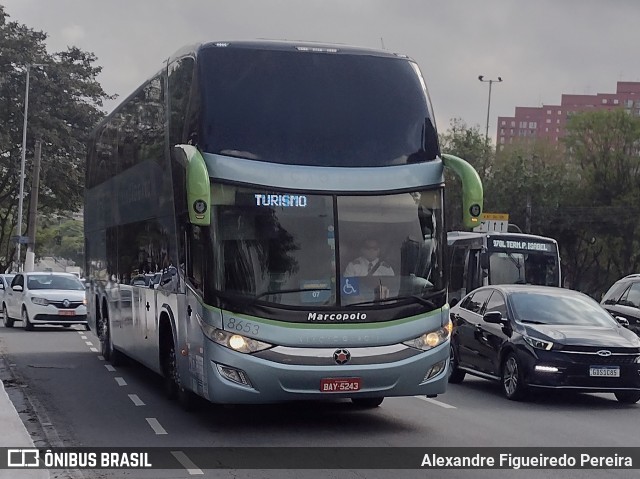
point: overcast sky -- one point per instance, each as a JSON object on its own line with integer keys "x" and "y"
{"x": 541, "y": 48}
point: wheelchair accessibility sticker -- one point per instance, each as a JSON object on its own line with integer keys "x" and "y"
{"x": 350, "y": 286}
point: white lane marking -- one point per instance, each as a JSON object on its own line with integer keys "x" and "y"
{"x": 80, "y": 332}
{"x": 155, "y": 425}
{"x": 110, "y": 368}
{"x": 136, "y": 400}
{"x": 88, "y": 343}
{"x": 83, "y": 337}
{"x": 93, "y": 350}
{"x": 188, "y": 464}
{"x": 101, "y": 358}
{"x": 121, "y": 381}
{"x": 437, "y": 403}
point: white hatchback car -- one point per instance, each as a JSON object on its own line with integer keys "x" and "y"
{"x": 45, "y": 298}
{"x": 5, "y": 284}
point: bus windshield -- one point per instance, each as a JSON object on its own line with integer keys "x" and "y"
{"x": 313, "y": 250}
{"x": 517, "y": 267}
{"x": 305, "y": 108}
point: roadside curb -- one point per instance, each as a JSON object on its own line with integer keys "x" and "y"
{"x": 13, "y": 433}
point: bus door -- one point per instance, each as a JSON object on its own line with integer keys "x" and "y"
{"x": 473, "y": 271}
{"x": 465, "y": 273}
{"x": 457, "y": 288}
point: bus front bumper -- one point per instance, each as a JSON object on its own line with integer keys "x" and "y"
{"x": 235, "y": 378}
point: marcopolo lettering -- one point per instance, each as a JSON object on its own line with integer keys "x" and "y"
{"x": 299, "y": 201}
{"x": 337, "y": 317}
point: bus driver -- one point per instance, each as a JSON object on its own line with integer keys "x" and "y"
{"x": 369, "y": 262}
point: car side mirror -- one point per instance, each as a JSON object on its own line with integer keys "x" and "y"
{"x": 623, "y": 321}
{"x": 493, "y": 317}
{"x": 453, "y": 302}
{"x": 17, "y": 287}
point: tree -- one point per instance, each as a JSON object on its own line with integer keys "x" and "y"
{"x": 64, "y": 106}
{"x": 605, "y": 145}
{"x": 63, "y": 239}
{"x": 470, "y": 144}
{"x": 529, "y": 182}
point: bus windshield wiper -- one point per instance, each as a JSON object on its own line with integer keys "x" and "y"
{"x": 425, "y": 299}
{"x": 285, "y": 291}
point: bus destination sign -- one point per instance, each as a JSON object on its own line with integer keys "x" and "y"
{"x": 522, "y": 245}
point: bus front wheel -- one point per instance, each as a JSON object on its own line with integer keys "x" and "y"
{"x": 173, "y": 384}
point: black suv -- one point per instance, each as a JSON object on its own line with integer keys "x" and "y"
{"x": 623, "y": 299}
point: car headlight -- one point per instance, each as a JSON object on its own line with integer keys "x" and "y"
{"x": 538, "y": 343}
{"x": 40, "y": 301}
{"x": 431, "y": 339}
{"x": 234, "y": 341}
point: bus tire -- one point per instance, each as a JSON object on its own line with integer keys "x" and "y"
{"x": 173, "y": 384}
{"x": 106, "y": 345}
{"x": 367, "y": 403}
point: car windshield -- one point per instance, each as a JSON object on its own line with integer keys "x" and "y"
{"x": 542, "y": 308}
{"x": 50, "y": 281}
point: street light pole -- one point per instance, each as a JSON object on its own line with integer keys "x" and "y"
{"x": 481, "y": 78}
{"x": 23, "y": 159}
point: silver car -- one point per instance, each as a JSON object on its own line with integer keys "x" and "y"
{"x": 45, "y": 298}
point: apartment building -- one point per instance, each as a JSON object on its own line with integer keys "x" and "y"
{"x": 548, "y": 122}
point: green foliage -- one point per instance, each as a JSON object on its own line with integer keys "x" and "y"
{"x": 469, "y": 144}
{"x": 64, "y": 106}
{"x": 529, "y": 182}
{"x": 605, "y": 146}
{"x": 64, "y": 239}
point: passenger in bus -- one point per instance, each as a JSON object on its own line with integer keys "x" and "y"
{"x": 369, "y": 262}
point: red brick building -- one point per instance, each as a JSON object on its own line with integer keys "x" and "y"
{"x": 549, "y": 121}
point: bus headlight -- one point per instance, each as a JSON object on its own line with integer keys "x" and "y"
{"x": 431, "y": 339}
{"x": 234, "y": 341}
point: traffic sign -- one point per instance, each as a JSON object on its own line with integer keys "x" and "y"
{"x": 20, "y": 239}
{"x": 493, "y": 222}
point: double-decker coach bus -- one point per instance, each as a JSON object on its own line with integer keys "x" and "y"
{"x": 231, "y": 203}
{"x": 483, "y": 258}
